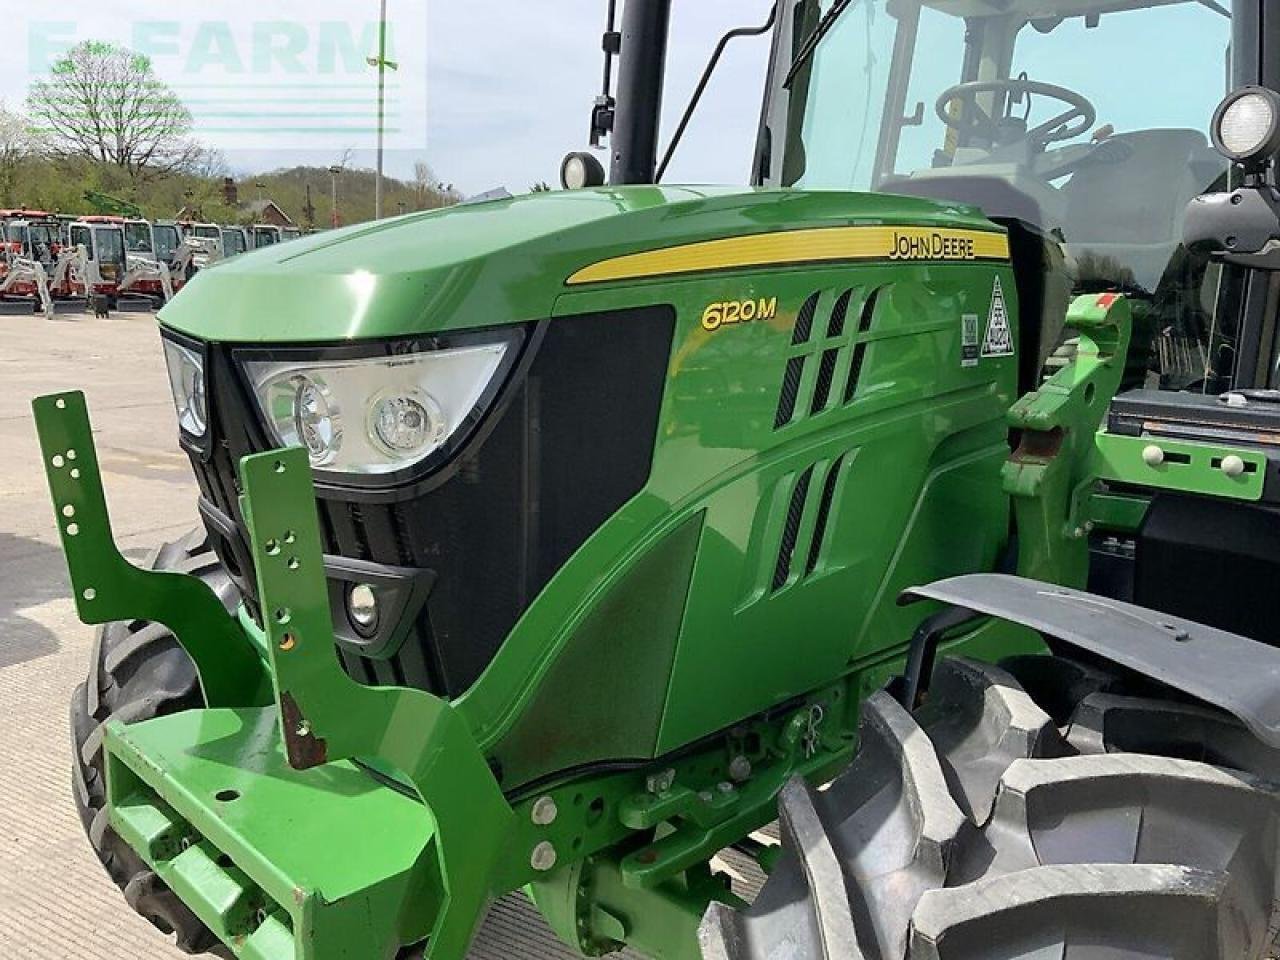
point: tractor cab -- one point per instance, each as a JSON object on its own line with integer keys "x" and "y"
{"x": 46, "y": 239}
{"x": 1110, "y": 162}
{"x": 265, "y": 235}
{"x": 1046, "y": 115}
{"x": 139, "y": 240}
{"x": 205, "y": 239}
{"x": 18, "y": 237}
{"x": 35, "y": 238}
{"x": 153, "y": 258}
{"x": 105, "y": 254}
{"x": 166, "y": 239}
{"x": 31, "y": 249}
{"x": 235, "y": 241}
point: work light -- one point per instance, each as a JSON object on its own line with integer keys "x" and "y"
{"x": 1246, "y": 125}
{"x": 579, "y": 170}
{"x": 378, "y": 414}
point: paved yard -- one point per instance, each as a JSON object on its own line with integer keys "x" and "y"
{"x": 55, "y": 901}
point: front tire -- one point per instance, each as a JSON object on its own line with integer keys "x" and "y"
{"x": 140, "y": 671}
{"x": 1093, "y": 820}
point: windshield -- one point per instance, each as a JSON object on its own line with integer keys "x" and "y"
{"x": 137, "y": 237}
{"x": 1085, "y": 118}
{"x": 232, "y": 242}
{"x": 44, "y": 235}
{"x": 166, "y": 240}
{"x": 263, "y": 236}
{"x": 80, "y": 238}
{"x": 208, "y": 233}
{"x": 110, "y": 244}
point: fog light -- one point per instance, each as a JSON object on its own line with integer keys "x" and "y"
{"x": 362, "y": 609}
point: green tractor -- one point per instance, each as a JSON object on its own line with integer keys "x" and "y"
{"x": 563, "y": 543}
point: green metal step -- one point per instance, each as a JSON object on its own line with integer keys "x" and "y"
{"x": 281, "y": 864}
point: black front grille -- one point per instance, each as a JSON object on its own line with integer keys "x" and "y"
{"x": 571, "y": 441}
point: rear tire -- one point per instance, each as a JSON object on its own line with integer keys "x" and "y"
{"x": 980, "y": 827}
{"x": 139, "y": 672}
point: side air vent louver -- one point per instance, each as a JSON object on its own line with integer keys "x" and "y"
{"x": 824, "y": 511}
{"x": 803, "y": 531}
{"x": 860, "y": 348}
{"x": 835, "y": 352}
{"x": 826, "y": 373}
{"x": 804, "y": 321}
{"x": 795, "y": 511}
{"x": 835, "y": 326}
{"x": 790, "y": 389}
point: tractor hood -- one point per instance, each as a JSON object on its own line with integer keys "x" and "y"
{"x": 495, "y": 262}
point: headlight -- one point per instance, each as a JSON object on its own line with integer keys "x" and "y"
{"x": 376, "y": 415}
{"x": 186, "y": 380}
{"x": 1246, "y": 125}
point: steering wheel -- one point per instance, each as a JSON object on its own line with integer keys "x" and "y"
{"x": 1079, "y": 116}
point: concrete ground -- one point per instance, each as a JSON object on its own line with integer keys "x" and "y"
{"x": 56, "y": 903}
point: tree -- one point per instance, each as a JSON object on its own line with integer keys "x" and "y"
{"x": 424, "y": 182}
{"x": 16, "y": 145}
{"x": 106, "y": 104}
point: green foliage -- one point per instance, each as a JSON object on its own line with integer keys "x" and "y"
{"x": 288, "y": 188}
{"x": 60, "y": 185}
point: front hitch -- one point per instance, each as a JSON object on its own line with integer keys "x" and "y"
{"x": 256, "y": 811}
{"x": 108, "y": 587}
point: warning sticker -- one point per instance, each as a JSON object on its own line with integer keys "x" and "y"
{"x": 999, "y": 339}
{"x": 969, "y": 340}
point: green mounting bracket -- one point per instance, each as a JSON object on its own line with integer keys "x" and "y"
{"x": 1183, "y": 466}
{"x": 1159, "y": 463}
{"x": 326, "y": 716}
{"x": 714, "y": 818}
{"x": 108, "y": 587}
{"x": 1058, "y": 423}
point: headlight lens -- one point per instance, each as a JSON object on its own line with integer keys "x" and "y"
{"x": 186, "y": 380}
{"x": 374, "y": 415}
{"x": 315, "y": 422}
{"x": 407, "y": 424}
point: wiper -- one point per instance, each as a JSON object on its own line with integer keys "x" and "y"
{"x": 820, "y": 31}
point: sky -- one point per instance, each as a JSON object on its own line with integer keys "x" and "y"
{"x": 488, "y": 94}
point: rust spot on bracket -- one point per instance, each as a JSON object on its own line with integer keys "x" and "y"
{"x": 305, "y": 750}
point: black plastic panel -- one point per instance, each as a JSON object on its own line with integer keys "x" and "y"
{"x": 570, "y": 441}
{"x": 1213, "y": 561}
